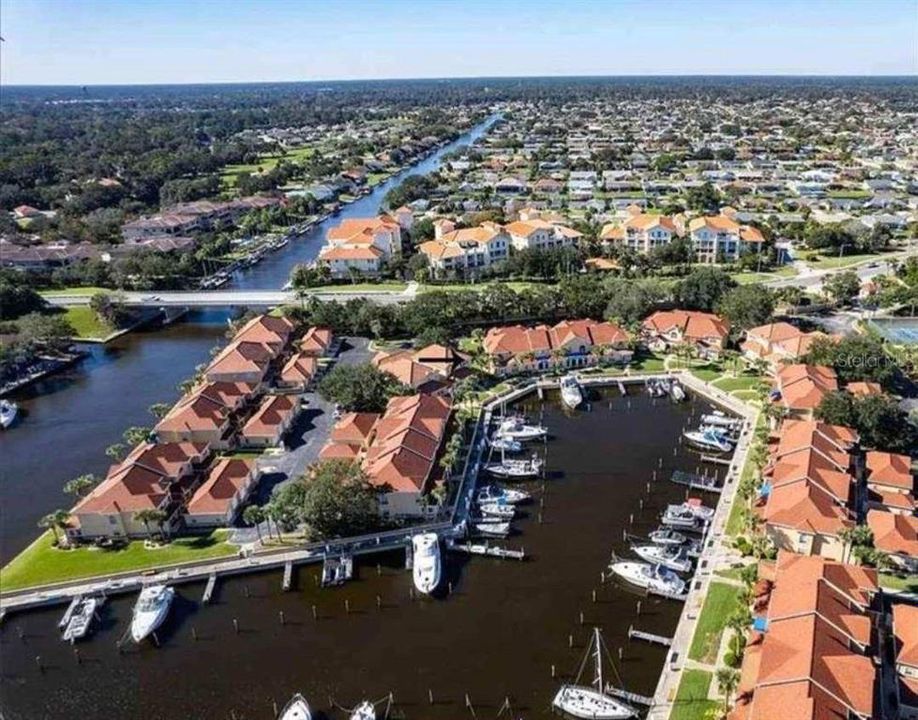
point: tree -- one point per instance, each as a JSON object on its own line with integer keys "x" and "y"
{"x": 116, "y": 451}
{"x": 338, "y": 500}
{"x": 727, "y": 682}
{"x": 159, "y": 410}
{"x": 255, "y": 516}
{"x": 109, "y": 309}
{"x": 631, "y": 300}
{"x": 703, "y": 198}
{"x": 703, "y": 289}
{"x": 16, "y": 296}
{"x": 843, "y": 287}
{"x": 136, "y": 435}
{"x": 878, "y": 420}
{"x": 362, "y": 387}
{"x": 747, "y": 306}
{"x": 55, "y": 521}
{"x": 858, "y": 357}
{"x": 150, "y": 516}
{"x": 80, "y": 486}
{"x": 53, "y": 331}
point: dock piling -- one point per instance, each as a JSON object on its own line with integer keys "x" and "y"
{"x": 315, "y": 615}
{"x": 194, "y": 633}
{"x": 430, "y": 698}
{"x": 235, "y": 626}
{"x": 281, "y": 617}
{"x": 41, "y": 668}
{"x": 378, "y": 602}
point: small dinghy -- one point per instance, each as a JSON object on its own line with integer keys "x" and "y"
{"x": 364, "y": 711}
{"x": 669, "y": 556}
{"x": 506, "y": 445}
{"x": 80, "y": 621}
{"x": 296, "y": 709}
{"x": 590, "y": 702}
{"x": 676, "y": 392}
{"x": 649, "y": 576}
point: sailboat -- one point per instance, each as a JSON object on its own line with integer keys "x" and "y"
{"x": 571, "y": 395}
{"x": 296, "y": 709}
{"x": 590, "y": 702}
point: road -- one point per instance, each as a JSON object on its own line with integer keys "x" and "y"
{"x": 810, "y": 279}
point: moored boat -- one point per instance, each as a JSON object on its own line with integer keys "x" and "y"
{"x": 571, "y": 395}
{"x": 676, "y": 392}
{"x": 80, "y": 620}
{"x": 364, "y": 711}
{"x": 708, "y": 439}
{"x": 296, "y": 709}
{"x": 720, "y": 419}
{"x": 497, "y": 493}
{"x": 667, "y": 536}
{"x": 489, "y": 528}
{"x": 515, "y": 468}
{"x": 426, "y": 567}
{"x": 497, "y": 510}
{"x": 669, "y": 556}
{"x": 151, "y": 610}
{"x": 506, "y": 444}
{"x": 649, "y": 576}
{"x": 515, "y": 428}
{"x": 8, "y": 412}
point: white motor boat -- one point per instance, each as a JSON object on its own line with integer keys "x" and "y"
{"x": 690, "y": 515}
{"x": 708, "y": 439}
{"x": 667, "y": 536}
{"x": 497, "y": 510}
{"x": 719, "y": 419}
{"x": 676, "y": 392}
{"x": 364, "y": 711}
{"x": 80, "y": 620}
{"x": 515, "y": 428}
{"x": 426, "y": 566}
{"x": 8, "y": 412}
{"x": 151, "y": 610}
{"x": 515, "y": 468}
{"x": 571, "y": 395}
{"x": 655, "y": 388}
{"x": 651, "y": 577}
{"x": 505, "y": 444}
{"x": 296, "y": 709}
{"x": 590, "y": 701}
{"x": 489, "y": 528}
{"x": 669, "y": 556}
{"x": 495, "y": 493}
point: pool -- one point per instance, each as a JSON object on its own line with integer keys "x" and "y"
{"x": 901, "y": 331}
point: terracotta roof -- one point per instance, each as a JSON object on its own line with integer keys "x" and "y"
{"x": 361, "y": 230}
{"x": 273, "y": 412}
{"x": 890, "y": 469}
{"x": 300, "y": 368}
{"x": 224, "y": 482}
{"x": 718, "y": 223}
{"x": 803, "y": 387}
{"x": 645, "y": 222}
{"x": 693, "y": 325}
{"x": 267, "y": 330}
{"x": 894, "y": 533}
{"x": 350, "y": 253}
{"x": 863, "y": 389}
{"x": 905, "y": 629}
{"x": 516, "y": 339}
{"x": 317, "y": 340}
{"x": 206, "y": 407}
{"x": 241, "y": 357}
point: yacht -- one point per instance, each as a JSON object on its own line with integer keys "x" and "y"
{"x": 689, "y": 515}
{"x": 590, "y": 701}
{"x": 669, "y": 556}
{"x": 515, "y": 468}
{"x": 497, "y": 510}
{"x": 505, "y": 444}
{"x": 296, "y": 709}
{"x": 720, "y": 419}
{"x": 8, "y": 412}
{"x": 426, "y": 565}
{"x": 515, "y": 428}
{"x": 571, "y": 395}
{"x": 649, "y": 576}
{"x": 151, "y": 610}
{"x": 708, "y": 439}
{"x": 495, "y": 493}
{"x": 491, "y": 528}
{"x": 364, "y": 711}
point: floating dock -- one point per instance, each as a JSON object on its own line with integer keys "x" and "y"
{"x": 489, "y": 550}
{"x": 696, "y": 482}
{"x": 715, "y": 460}
{"x": 209, "y": 589}
{"x": 630, "y": 697}
{"x": 649, "y": 637}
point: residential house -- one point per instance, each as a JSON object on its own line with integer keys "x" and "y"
{"x": 271, "y": 331}
{"x": 800, "y": 388}
{"x": 350, "y": 436}
{"x": 427, "y": 369}
{"x": 640, "y": 233}
{"x": 538, "y": 234}
{"x": 299, "y": 372}
{"x": 777, "y": 343}
{"x": 467, "y": 249}
{"x": 241, "y": 361}
{"x": 905, "y": 632}
{"x": 890, "y": 483}
{"x": 896, "y": 535}
{"x": 317, "y": 342}
{"x": 666, "y": 329}
{"x": 719, "y": 238}
{"x": 270, "y": 422}
{"x": 205, "y": 415}
{"x": 569, "y": 344}
{"x": 217, "y": 501}
{"x": 362, "y": 245}
{"x": 808, "y": 654}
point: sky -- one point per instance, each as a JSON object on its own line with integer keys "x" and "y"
{"x": 87, "y": 42}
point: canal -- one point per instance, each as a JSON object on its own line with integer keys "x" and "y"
{"x": 495, "y": 637}
{"x": 69, "y": 420}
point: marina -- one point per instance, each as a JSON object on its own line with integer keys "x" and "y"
{"x": 596, "y": 493}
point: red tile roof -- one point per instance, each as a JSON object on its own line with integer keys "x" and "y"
{"x": 224, "y": 482}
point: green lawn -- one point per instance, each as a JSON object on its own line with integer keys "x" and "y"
{"x": 748, "y": 277}
{"x": 706, "y": 372}
{"x": 833, "y": 262}
{"x": 362, "y": 287}
{"x": 692, "y": 697}
{"x": 41, "y": 563}
{"x": 75, "y": 291}
{"x": 87, "y": 324}
{"x": 895, "y": 582}
{"x": 515, "y": 285}
{"x": 719, "y": 604}
{"x": 374, "y": 179}
{"x": 647, "y": 363}
{"x": 742, "y": 382}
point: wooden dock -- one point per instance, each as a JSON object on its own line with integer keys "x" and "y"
{"x": 696, "y": 482}
{"x": 288, "y": 576}
{"x": 630, "y": 697}
{"x": 489, "y": 550}
{"x": 649, "y": 637}
{"x": 209, "y": 589}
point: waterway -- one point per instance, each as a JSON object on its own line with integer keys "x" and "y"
{"x": 495, "y": 637}
{"x": 68, "y": 421}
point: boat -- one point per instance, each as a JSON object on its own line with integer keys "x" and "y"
{"x": 690, "y": 515}
{"x": 296, "y": 709}
{"x": 676, "y": 392}
{"x": 655, "y": 388}
{"x": 8, "y": 412}
{"x": 489, "y": 528}
{"x": 505, "y": 444}
{"x": 426, "y": 566}
{"x": 708, "y": 440}
{"x": 515, "y": 428}
{"x": 364, "y": 711}
{"x": 571, "y": 394}
{"x": 496, "y": 509}
{"x": 80, "y": 619}
{"x": 590, "y": 701}
{"x": 647, "y": 575}
{"x": 667, "y": 536}
{"x": 720, "y": 419}
{"x": 515, "y": 468}
{"x": 151, "y": 610}
{"x": 671, "y": 557}
{"x": 498, "y": 493}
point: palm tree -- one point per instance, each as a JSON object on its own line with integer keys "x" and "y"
{"x": 54, "y": 522}
{"x": 254, "y": 515}
{"x": 150, "y": 516}
{"x": 80, "y": 486}
{"x": 116, "y": 451}
{"x": 727, "y": 682}
{"x": 159, "y": 410}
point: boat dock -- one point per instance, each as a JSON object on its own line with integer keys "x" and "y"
{"x": 649, "y": 637}
{"x": 489, "y": 550}
{"x": 288, "y": 576}
{"x": 715, "y": 460}
{"x": 630, "y": 697}
{"x": 209, "y": 589}
{"x": 668, "y": 595}
{"x": 696, "y": 482}
{"x": 337, "y": 570}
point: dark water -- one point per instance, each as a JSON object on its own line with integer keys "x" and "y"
{"x": 497, "y": 636}
{"x": 68, "y": 420}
